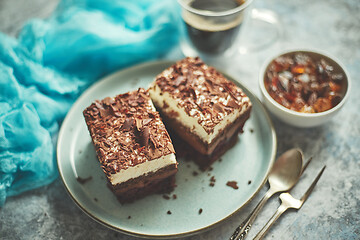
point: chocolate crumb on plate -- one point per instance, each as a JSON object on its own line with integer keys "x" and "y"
{"x": 168, "y": 212}
{"x": 232, "y": 184}
{"x": 128, "y": 217}
{"x": 195, "y": 173}
{"x": 83, "y": 180}
{"x": 166, "y": 197}
{"x": 249, "y": 182}
{"x": 174, "y": 196}
{"x": 212, "y": 181}
{"x": 251, "y": 130}
{"x": 200, "y": 211}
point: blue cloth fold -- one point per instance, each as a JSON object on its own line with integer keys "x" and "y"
{"x": 46, "y": 68}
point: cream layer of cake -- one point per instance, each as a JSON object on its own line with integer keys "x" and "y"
{"x": 142, "y": 169}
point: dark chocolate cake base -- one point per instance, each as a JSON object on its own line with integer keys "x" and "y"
{"x": 173, "y": 125}
{"x": 186, "y": 151}
{"x": 162, "y": 181}
{"x": 188, "y": 145}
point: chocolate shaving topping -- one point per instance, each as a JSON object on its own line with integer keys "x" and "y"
{"x": 218, "y": 107}
{"x": 232, "y": 103}
{"x": 230, "y": 92}
{"x": 179, "y": 80}
{"x": 146, "y": 121}
{"x": 145, "y": 135}
{"x": 153, "y": 141}
{"x": 108, "y": 101}
{"x": 138, "y": 124}
{"x": 201, "y": 91}
{"x": 127, "y": 132}
{"x": 193, "y": 93}
{"x": 99, "y": 105}
{"x": 127, "y": 124}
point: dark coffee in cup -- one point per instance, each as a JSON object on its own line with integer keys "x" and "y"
{"x": 212, "y": 34}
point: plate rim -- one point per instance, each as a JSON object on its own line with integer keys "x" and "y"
{"x": 154, "y": 236}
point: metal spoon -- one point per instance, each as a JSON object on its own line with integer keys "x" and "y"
{"x": 282, "y": 177}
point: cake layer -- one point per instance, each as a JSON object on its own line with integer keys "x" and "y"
{"x": 144, "y": 181}
{"x": 159, "y": 186}
{"x": 129, "y": 137}
{"x": 195, "y": 142}
{"x": 186, "y": 150}
{"x": 124, "y": 175}
{"x": 199, "y": 103}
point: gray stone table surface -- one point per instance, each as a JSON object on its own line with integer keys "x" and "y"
{"x": 331, "y": 212}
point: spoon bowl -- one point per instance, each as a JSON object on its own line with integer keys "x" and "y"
{"x": 286, "y": 171}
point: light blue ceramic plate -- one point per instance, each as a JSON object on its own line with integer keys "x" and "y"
{"x": 249, "y": 160}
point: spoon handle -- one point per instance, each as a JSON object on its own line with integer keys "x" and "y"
{"x": 242, "y": 230}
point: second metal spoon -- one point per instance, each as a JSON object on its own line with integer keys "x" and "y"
{"x": 282, "y": 177}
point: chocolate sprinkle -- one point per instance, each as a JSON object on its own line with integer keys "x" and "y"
{"x": 232, "y": 184}
{"x": 146, "y": 121}
{"x": 145, "y": 136}
{"x": 127, "y": 124}
{"x": 138, "y": 124}
{"x": 218, "y": 107}
{"x": 212, "y": 181}
{"x": 179, "y": 80}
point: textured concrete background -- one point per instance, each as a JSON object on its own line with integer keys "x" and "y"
{"x": 331, "y": 212}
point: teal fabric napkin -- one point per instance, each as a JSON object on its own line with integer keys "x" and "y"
{"x": 46, "y": 68}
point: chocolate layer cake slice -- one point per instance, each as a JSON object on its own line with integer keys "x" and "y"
{"x": 201, "y": 106}
{"x": 132, "y": 145}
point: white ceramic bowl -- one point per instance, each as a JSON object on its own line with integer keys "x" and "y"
{"x": 299, "y": 119}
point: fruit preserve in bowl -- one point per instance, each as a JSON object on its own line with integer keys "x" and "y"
{"x": 304, "y": 88}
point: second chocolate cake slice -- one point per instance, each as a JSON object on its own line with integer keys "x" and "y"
{"x": 201, "y": 106}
